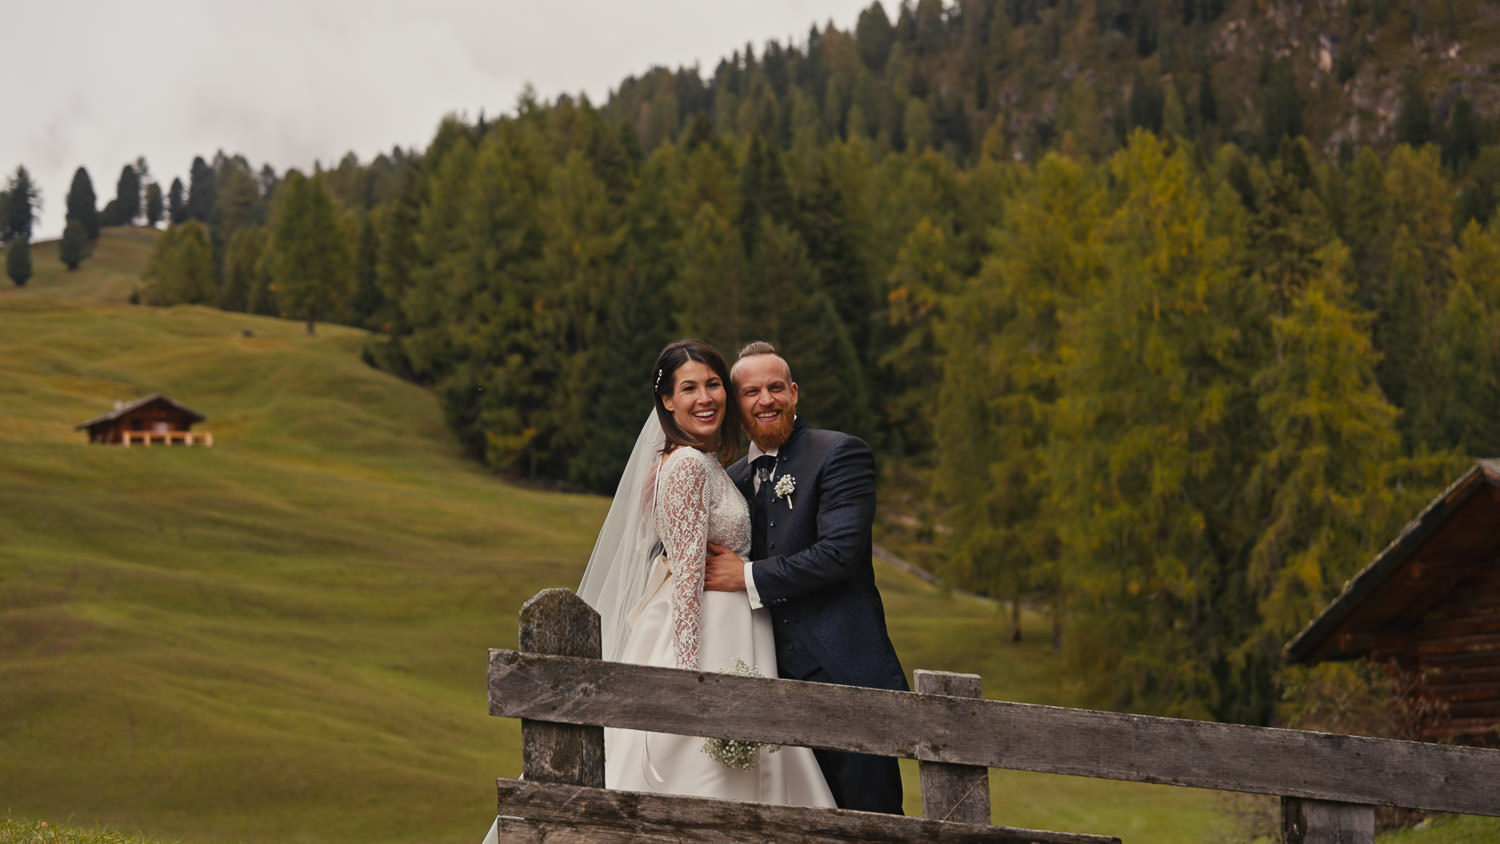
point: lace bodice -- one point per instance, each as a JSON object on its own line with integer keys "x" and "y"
{"x": 697, "y": 503}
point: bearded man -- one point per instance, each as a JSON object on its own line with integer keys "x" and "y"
{"x": 812, "y": 504}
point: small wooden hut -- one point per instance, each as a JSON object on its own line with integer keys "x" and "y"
{"x": 1430, "y": 604}
{"x": 153, "y": 420}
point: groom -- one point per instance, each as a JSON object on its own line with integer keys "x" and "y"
{"x": 812, "y": 502}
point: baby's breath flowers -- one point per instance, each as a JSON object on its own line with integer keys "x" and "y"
{"x": 733, "y": 753}
{"x": 785, "y": 486}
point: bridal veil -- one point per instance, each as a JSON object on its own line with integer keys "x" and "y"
{"x": 615, "y": 578}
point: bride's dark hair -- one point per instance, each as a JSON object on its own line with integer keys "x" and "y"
{"x": 664, "y": 381}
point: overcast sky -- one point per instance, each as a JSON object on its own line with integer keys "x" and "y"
{"x": 291, "y": 82}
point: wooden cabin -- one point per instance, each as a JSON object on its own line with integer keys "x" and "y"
{"x": 153, "y": 420}
{"x": 1430, "y": 604}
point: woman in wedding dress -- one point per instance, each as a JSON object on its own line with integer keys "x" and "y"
{"x": 674, "y": 499}
{"x": 645, "y": 578}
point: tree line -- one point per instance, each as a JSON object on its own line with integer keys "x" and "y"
{"x": 1176, "y": 382}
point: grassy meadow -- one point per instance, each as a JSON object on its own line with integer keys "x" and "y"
{"x": 283, "y": 638}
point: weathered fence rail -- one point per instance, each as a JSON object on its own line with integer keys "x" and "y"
{"x": 1329, "y": 784}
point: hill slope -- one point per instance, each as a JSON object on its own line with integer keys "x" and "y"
{"x": 283, "y": 637}
{"x": 110, "y": 274}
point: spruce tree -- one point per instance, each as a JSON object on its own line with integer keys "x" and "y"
{"x": 127, "y": 196}
{"x": 245, "y": 286}
{"x": 366, "y": 302}
{"x": 632, "y": 331}
{"x": 83, "y": 205}
{"x": 74, "y": 245}
{"x": 1466, "y": 356}
{"x": 1142, "y": 451}
{"x": 153, "y": 204}
{"x": 22, "y": 199}
{"x": 201, "y": 193}
{"x": 176, "y": 206}
{"x": 181, "y": 268}
{"x": 1322, "y": 481}
{"x": 310, "y": 261}
{"x": 18, "y": 261}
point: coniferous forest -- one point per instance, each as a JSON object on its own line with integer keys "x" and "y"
{"x": 1162, "y": 314}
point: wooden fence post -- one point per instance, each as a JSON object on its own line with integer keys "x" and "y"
{"x": 1326, "y": 822}
{"x": 558, "y": 622}
{"x": 953, "y": 792}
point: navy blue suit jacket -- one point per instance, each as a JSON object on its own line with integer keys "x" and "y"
{"x": 817, "y": 579}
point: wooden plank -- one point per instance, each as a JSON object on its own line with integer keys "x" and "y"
{"x": 1322, "y": 822}
{"x": 563, "y": 814}
{"x": 558, "y": 622}
{"x": 1018, "y": 736}
{"x": 953, "y": 792}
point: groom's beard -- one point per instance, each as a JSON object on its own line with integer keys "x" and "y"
{"x": 769, "y": 435}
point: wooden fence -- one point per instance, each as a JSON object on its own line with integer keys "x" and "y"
{"x": 555, "y": 682}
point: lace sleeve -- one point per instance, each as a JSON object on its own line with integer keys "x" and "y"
{"x": 683, "y": 523}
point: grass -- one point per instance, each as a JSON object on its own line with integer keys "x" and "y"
{"x": 284, "y": 637}
{"x": 42, "y": 832}
{"x": 109, "y": 275}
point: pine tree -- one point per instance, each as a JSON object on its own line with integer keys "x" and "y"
{"x": 201, "y": 193}
{"x": 1366, "y": 227}
{"x": 18, "y": 261}
{"x": 367, "y": 300}
{"x": 874, "y": 35}
{"x": 18, "y": 211}
{"x": 1466, "y": 355}
{"x": 310, "y": 262}
{"x": 833, "y": 230}
{"x": 1322, "y": 481}
{"x": 920, "y": 281}
{"x": 764, "y": 193}
{"x": 245, "y": 286}
{"x": 153, "y": 204}
{"x": 74, "y": 245}
{"x": 1142, "y": 448}
{"x": 181, "y": 268}
{"x": 127, "y": 197}
{"x": 632, "y": 330}
{"x": 237, "y": 201}
{"x": 1001, "y": 352}
{"x": 176, "y": 206}
{"x": 83, "y": 205}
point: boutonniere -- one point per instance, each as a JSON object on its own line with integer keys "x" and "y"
{"x": 785, "y": 486}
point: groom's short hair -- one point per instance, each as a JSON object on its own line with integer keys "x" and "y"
{"x": 760, "y": 347}
{"x": 756, "y": 347}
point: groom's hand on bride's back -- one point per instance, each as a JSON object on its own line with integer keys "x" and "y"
{"x": 724, "y": 570}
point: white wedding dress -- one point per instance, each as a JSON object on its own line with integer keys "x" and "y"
{"x": 677, "y": 624}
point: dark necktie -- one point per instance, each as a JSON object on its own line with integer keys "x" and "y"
{"x": 762, "y": 466}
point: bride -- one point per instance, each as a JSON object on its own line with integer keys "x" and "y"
{"x": 645, "y": 578}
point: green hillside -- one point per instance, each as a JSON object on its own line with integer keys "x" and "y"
{"x": 109, "y": 275}
{"x": 283, "y": 637}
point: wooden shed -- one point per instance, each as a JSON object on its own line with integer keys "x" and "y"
{"x": 1430, "y": 604}
{"x": 153, "y": 420}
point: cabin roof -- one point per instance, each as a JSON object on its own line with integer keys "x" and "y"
{"x": 139, "y": 403}
{"x": 1455, "y": 532}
